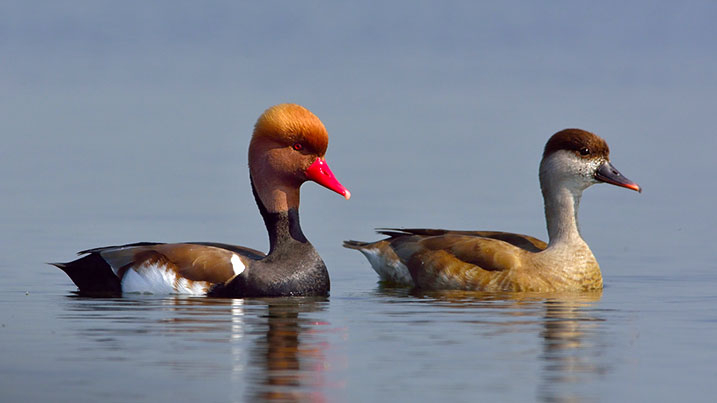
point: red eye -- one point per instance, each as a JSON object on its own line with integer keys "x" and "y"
{"x": 298, "y": 146}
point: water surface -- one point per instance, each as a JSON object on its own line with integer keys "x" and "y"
{"x": 126, "y": 122}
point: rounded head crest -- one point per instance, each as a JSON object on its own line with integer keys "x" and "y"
{"x": 584, "y": 143}
{"x": 291, "y": 124}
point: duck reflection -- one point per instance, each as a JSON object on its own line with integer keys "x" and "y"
{"x": 277, "y": 346}
{"x": 570, "y": 331}
{"x": 571, "y": 348}
{"x": 289, "y": 361}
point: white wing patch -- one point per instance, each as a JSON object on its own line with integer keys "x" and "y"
{"x": 158, "y": 279}
{"x": 237, "y": 264}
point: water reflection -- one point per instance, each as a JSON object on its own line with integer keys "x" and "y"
{"x": 570, "y": 329}
{"x": 269, "y": 349}
{"x": 289, "y": 361}
{"x": 572, "y": 347}
{"x": 284, "y": 349}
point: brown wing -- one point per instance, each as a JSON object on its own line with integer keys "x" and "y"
{"x": 456, "y": 260}
{"x": 240, "y": 250}
{"x": 195, "y": 262}
{"x": 527, "y": 242}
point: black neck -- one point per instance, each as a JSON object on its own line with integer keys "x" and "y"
{"x": 282, "y": 226}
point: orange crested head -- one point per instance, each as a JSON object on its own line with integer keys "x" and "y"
{"x": 292, "y": 124}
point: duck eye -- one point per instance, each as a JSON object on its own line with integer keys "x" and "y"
{"x": 298, "y": 146}
{"x": 584, "y": 151}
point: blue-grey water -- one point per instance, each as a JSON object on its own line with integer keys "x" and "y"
{"x": 130, "y": 122}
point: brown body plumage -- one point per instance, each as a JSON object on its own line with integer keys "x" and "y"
{"x": 573, "y": 160}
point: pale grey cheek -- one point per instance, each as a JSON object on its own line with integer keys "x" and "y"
{"x": 568, "y": 166}
{"x": 593, "y": 167}
{"x": 583, "y": 171}
{"x": 582, "y": 168}
{"x": 587, "y": 172}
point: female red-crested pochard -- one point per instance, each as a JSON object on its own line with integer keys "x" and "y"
{"x": 572, "y": 161}
{"x": 286, "y": 149}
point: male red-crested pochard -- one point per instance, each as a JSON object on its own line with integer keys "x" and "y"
{"x": 573, "y": 160}
{"x": 286, "y": 149}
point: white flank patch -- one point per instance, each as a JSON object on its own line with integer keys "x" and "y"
{"x": 157, "y": 279}
{"x": 237, "y": 265}
{"x": 388, "y": 269}
{"x": 185, "y": 286}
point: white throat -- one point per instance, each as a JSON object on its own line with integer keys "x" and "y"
{"x": 561, "y": 215}
{"x": 563, "y": 177}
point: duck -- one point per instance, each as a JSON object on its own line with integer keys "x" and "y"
{"x": 439, "y": 259}
{"x": 287, "y": 148}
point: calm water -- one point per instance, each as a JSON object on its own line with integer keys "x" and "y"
{"x": 629, "y": 342}
{"x": 651, "y": 334}
{"x": 129, "y": 121}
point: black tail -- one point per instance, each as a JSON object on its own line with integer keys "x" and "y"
{"x": 92, "y": 275}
